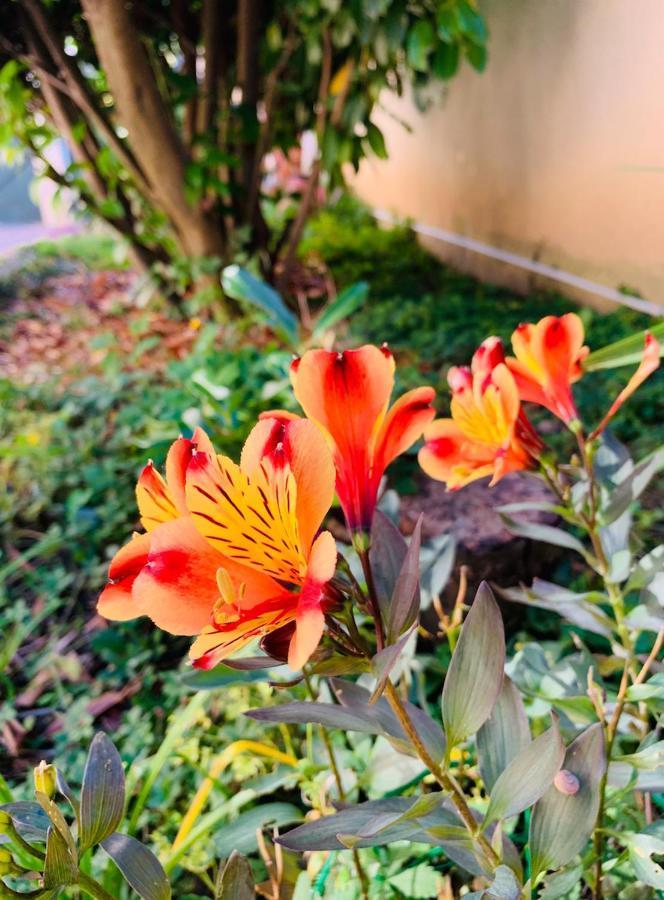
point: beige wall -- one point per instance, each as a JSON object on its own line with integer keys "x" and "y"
{"x": 555, "y": 152}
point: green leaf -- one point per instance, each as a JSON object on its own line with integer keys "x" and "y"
{"x": 648, "y": 568}
{"x": 504, "y": 886}
{"x": 475, "y": 676}
{"x": 235, "y": 880}
{"x": 561, "y": 824}
{"x": 625, "y": 352}
{"x": 476, "y": 56}
{"x": 223, "y": 676}
{"x": 405, "y": 601}
{"x": 29, "y": 819}
{"x": 139, "y": 866}
{"x": 579, "y": 609}
{"x": 504, "y": 734}
{"x": 102, "y": 793}
{"x": 241, "y": 285}
{"x": 546, "y": 533}
{"x": 240, "y": 834}
{"x": 417, "y": 882}
{"x": 346, "y": 303}
{"x": 60, "y": 865}
{"x": 385, "y": 660}
{"x": 528, "y": 775}
{"x": 356, "y": 698}
{"x": 387, "y": 554}
{"x": 642, "y": 848}
{"x": 420, "y": 42}
{"x": 376, "y": 140}
{"x": 633, "y": 486}
{"x": 471, "y": 22}
{"x": 330, "y": 715}
{"x": 446, "y": 60}
{"x": 323, "y": 834}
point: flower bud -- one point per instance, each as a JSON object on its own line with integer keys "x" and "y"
{"x": 45, "y": 779}
{"x": 6, "y": 824}
{"x": 566, "y": 783}
{"x": 6, "y": 862}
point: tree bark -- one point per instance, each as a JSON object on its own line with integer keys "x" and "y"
{"x": 140, "y": 109}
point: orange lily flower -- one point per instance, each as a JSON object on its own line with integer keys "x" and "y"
{"x": 547, "y": 360}
{"x": 488, "y": 434}
{"x": 154, "y": 573}
{"x": 264, "y": 515}
{"x": 649, "y": 363}
{"x": 347, "y": 396}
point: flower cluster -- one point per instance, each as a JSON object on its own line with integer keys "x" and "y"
{"x": 234, "y": 553}
{"x": 489, "y": 433}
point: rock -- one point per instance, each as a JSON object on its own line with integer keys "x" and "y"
{"x": 484, "y": 545}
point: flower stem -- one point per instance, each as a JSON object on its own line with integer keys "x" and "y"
{"x": 93, "y": 888}
{"x": 442, "y": 777}
{"x": 373, "y": 599}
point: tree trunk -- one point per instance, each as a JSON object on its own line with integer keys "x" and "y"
{"x": 153, "y": 138}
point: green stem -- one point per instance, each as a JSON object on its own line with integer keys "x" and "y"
{"x": 92, "y": 887}
{"x": 442, "y": 777}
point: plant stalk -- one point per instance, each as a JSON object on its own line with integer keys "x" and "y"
{"x": 443, "y": 778}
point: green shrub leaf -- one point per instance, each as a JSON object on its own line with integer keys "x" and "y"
{"x": 241, "y": 285}
{"x": 347, "y": 302}
{"x": 475, "y": 676}
{"x": 60, "y": 865}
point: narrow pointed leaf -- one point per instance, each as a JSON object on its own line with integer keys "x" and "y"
{"x": 139, "y": 866}
{"x": 102, "y": 793}
{"x": 241, "y": 285}
{"x": 633, "y": 486}
{"x": 642, "y": 848}
{"x": 347, "y": 302}
{"x": 561, "y": 824}
{"x": 386, "y": 555}
{"x": 504, "y": 886}
{"x": 475, "y": 676}
{"x": 504, "y": 734}
{"x": 60, "y": 865}
{"x": 235, "y": 881}
{"x": 545, "y": 533}
{"x": 384, "y": 661}
{"x": 625, "y": 352}
{"x": 405, "y": 601}
{"x": 527, "y": 777}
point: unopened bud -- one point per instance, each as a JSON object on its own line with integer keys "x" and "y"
{"x": 566, "y": 783}
{"x": 5, "y": 822}
{"x": 45, "y": 779}
{"x": 7, "y": 865}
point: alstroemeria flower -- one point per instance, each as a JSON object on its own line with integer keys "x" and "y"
{"x": 265, "y": 515}
{"x": 347, "y": 395}
{"x": 547, "y": 360}
{"x": 649, "y": 363}
{"x": 168, "y": 573}
{"x": 488, "y": 434}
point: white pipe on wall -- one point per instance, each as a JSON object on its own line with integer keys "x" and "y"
{"x": 522, "y": 262}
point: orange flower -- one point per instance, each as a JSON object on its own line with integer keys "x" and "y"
{"x": 547, "y": 361}
{"x": 347, "y": 395}
{"x": 264, "y": 515}
{"x": 649, "y": 363}
{"x": 168, "y": 573}
{"x": 183, "y": 576}
{"x": 488, "y": 434}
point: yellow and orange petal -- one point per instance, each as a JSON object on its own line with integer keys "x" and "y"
{"x": 310, "y": 618}
{"x": 403, "y": 425}
{"x": 547, "y": 360}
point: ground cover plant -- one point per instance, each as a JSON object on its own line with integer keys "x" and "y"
{"x": 70, "y": 458}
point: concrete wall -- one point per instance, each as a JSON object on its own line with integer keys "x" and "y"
{"x": 555, "y": 152}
